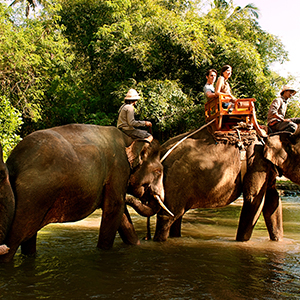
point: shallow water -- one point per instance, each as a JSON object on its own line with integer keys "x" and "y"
{"x": 205, "y": 263}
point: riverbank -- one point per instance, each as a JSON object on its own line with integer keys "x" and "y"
{"x": 287, "y": 188}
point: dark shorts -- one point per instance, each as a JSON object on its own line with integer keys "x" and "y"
{"x": 225, "y": 104}
{"x": 290, "y": 126}
{"x": 137, "y": 133}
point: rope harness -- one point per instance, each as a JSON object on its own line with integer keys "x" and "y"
{"x": 183, "y": 139}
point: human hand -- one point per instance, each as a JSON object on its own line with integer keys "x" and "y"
{"x": 148, "y": 124}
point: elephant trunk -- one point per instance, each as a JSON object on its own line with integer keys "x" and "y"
{"x": 145, "y": 210}
{"x": 149, "y": 209}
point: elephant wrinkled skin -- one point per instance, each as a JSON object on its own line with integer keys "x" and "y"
{"x": 201, "y": 173}
{"x": 63, "y": 174}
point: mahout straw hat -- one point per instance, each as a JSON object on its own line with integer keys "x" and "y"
{"x": 288, "y": 88}
{"x": 132, "y": 94}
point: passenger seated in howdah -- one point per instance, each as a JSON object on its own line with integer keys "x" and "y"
{"x": 223, "y": 87}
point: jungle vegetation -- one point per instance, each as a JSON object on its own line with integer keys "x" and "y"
{"x": 72, "y": 61}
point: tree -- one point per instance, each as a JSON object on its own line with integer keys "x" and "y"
{"x": 142, "y": 40}
{"x": 10, "y": 123}
{"x": 150, "y": 41}
{"x": 29, "y": 4}
{"x": 236, "y": 38}
{"x": 235, "y": 12}
{"x": 33, "y": 57}
{"x": 75, "y": 64}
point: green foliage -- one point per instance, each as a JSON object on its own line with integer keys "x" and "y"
{"x": 293, "y": 110}
{"x": 236, "y": 38}
{"x": 33, "y": 54}
{"x": 165, "y": 104}
{"x": 75, "y": 62}
{"x": 10, "y": 123}
{"x": 156, "y": 41}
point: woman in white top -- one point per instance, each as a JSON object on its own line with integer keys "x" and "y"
{"x": 223, "y": 87}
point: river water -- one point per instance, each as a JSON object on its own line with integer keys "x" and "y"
{"x": 205, "y": 263}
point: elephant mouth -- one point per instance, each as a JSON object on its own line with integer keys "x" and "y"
{"x": 159, "y": 200}
{"x": 148, "y": 204}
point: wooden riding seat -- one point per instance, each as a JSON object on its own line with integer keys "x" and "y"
{"x": 243, "y": 110}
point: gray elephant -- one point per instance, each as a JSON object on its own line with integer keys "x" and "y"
{"x": 64, "y": 173}
{"x": 204, "y": 172}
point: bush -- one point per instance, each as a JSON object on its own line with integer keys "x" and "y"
{"x": 10, "y": 123}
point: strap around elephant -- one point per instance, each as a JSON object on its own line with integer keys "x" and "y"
{"x": 183, "y": 139}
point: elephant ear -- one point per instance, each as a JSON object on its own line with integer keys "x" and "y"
{"x": 137, "y": 153}
{"x": 275, "y": 148}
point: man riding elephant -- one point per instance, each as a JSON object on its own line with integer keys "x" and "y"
{"x": 277, "y": 111}
{"x": 126, "y": 121}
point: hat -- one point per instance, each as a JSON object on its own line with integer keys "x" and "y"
{"x": 287, "y": 88}
{"x": 132, "y": 94}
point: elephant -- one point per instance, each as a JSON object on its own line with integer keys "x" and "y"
{"x": 203, "y": 172}
{"x": 63, "y": 174}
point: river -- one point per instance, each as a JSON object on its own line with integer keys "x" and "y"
{"x": 205, "y": 263}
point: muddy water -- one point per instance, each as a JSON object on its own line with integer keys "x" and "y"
{"x": 206, "y": 263}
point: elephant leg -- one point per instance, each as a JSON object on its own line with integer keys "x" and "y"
{"x": 112, "y": 212}
{"x": 148, "y": 237}
{"x": 272, "y": 212}
{"x": 175, "y": 230}
{"x": 163, "y": 225}
{"x": 127, "y": 231}
{"x": 29, "y": 247}
{"x": 250, "y": 213}
{"x": 253, "y": 191}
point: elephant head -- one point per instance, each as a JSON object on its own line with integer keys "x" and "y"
{"x": 283, "y": 150}
{"x": 146, "y": 179}
{"x": 7, "y": 203}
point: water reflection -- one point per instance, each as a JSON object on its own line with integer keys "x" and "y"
{"x": 206, "y": 263}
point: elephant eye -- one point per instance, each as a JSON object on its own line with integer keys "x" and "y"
{"x": 157, "y": 172}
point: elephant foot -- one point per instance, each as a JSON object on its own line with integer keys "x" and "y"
{"x": 276, "y": 237}
{"x": 243, "y": 237}
{"x": 104, "y": 246}
{"x": 239, "y": 239}
{"x": 161, "y": 235}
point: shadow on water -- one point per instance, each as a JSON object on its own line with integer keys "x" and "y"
{"x": 205, "y": 263}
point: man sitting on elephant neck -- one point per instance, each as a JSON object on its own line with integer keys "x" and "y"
{"x": 127, "y": 122}
{"x": 277, "y": 111}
